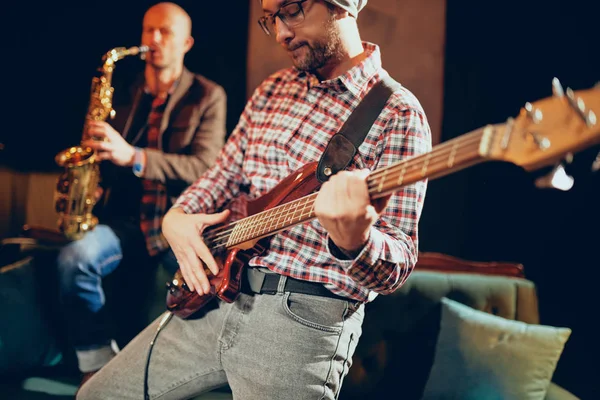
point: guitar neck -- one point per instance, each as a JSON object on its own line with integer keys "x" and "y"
{"x": 444, "y": 159}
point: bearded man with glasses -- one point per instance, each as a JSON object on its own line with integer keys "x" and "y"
{"x": 292, "y": 332}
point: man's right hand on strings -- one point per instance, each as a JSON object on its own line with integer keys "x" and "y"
{"x": 184, "y": 234}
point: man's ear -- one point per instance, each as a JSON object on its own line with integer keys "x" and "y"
{"x": 339, "y": 12}
{"x": 189, "y": 42}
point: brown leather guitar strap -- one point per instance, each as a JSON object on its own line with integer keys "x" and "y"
{"x": 343, "y": 145}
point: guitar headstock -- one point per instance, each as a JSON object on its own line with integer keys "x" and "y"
{"x": 549, "y": 130}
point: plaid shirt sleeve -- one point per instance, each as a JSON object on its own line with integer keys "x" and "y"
{"x": 390, "y": 254}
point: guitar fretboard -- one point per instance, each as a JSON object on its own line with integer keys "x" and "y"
{"x": 444, "y": 159}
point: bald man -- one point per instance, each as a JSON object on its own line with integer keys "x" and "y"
{"x": 292, "y": 332}
{"x": 168, "y": 130}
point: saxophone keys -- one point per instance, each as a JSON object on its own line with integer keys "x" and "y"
{"x": 60, "y": 205}
{"x": 63, "y": 184}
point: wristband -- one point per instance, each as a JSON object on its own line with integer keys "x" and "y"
{"x": 139, "y": 162}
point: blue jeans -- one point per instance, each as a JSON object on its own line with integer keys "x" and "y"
{"x": 82, "y": 266}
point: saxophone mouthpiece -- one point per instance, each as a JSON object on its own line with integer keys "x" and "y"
{"x": 142, "y": 50}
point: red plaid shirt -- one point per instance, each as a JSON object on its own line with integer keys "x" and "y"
{"x": 155, "y": 200}
{"x": 154, "y": 196}
{"x": 288, "y": 123}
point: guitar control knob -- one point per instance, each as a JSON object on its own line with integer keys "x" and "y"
{"x": 172, "y": 288}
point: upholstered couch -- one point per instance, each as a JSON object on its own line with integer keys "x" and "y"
{"x": 395, "y": 353}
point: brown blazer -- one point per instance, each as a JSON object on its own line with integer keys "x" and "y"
{"x": 191, "y": 136}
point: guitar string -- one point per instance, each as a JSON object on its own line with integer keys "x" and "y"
{"x": 393, "y": 175}
{"x": 439, "y": 149}
{"x": 256, "y": 221}
{"x": 264, "y": 225}
{"x": 271, "y": 214}
{"x": 402, "y": 168}
{"x": 437, "y": 152}
{"x": 281, "y": 211}
{"x": 277, "y": 212}
{"x": 401, "y": 174}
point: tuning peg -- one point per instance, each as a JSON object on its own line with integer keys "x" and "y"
{"x": 596, "y": 163}
{"x": 556, "y": 179}
{"x": 535, "y": 115}
{"x": 557, "y": 88}
{"x": 542, "y": 142}
{"x": 578, "y": 105}
{"x": 569, "y": 158}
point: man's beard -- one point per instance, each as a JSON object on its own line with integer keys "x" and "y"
{"x": 321, "y": 52}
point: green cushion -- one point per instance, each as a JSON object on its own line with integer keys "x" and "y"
{"x": 482, "y": 356}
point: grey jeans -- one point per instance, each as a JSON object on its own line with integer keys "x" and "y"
{"x": 282, "y": 346}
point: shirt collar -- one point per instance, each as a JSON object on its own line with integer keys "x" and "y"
{"x": 169, "y": 92}
{"x": 356, "y": 79}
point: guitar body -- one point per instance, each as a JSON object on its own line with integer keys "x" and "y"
{"x": 227, "y": 284}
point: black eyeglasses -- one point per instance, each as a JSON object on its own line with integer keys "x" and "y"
{"x": 291, "y": 14}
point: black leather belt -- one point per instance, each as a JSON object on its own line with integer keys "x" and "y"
{"x": 267, "y": 283}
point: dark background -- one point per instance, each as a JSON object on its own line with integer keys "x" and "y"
{"x": 56, "y": 47}
{"x": 499, "y": 55}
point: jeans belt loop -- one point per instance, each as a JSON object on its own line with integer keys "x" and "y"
{"x": 281, "y": 285}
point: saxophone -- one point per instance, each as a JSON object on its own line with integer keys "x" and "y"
{"x": 75, "y": 195}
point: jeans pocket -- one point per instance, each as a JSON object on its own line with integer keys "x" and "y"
{"x": 315, "y": 312}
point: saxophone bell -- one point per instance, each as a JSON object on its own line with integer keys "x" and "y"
{"x": 74, "y": 197}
